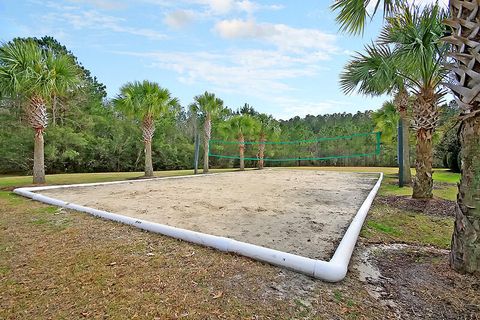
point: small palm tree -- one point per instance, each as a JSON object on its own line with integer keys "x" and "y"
{"x": 145, "y": 101}
{"x": 208, "y": 106}
{"x": 34, "y": 74}
{"x": 238, "y": 127}
{"x": 268, "y": 127}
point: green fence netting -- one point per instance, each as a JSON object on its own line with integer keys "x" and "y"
{"x": 351, "y": 146}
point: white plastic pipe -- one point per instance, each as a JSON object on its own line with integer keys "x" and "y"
{"x": 332, "y": 271}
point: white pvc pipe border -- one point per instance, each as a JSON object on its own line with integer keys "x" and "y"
{"x": 332, "y": 271}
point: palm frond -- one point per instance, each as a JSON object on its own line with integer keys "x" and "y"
{"x": 352, "y": 14}
{"x": 371, "y": 73}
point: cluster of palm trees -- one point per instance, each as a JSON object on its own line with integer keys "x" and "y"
{"x": 420, "y": 52}
{"x": 38, "y": 76}
{"x": 237, "y": 127}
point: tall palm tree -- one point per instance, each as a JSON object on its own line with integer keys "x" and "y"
{"x": 465, "y": 25}
{"x": 145, "y": 101}
{"x": 373, "y": 73}
{"x": 208, "y": 106}
{"x": 35, "y": 74}
{"x": 418, "y": 56}
{"x": 268, "y": 127}
{"x": 238, "y": 127}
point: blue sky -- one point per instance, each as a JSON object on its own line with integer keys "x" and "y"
{"x": 282, "y": 57}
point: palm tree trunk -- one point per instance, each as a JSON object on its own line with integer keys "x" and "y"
{"x": 423, "y": 182}
{"x": 148, "y": 159}
{"x": 148, "y": 129}
{"x": 38, "y": 158}
{"x": 426, "y": 117}
{"x": 38, "y": 119}
{"x": 241, "y": 141}
{"x": 206, "y": 141}
{"x": 261, "y": 151}
{"x": 465, "y": 254}
{"x": 401, "y": 102}
{"x": 407, "y": 174}
{"x": 54, "y": 110}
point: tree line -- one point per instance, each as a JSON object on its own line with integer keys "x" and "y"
{"x": 89, "y": 133}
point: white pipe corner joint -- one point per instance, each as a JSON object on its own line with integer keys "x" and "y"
{"x": 332, "y": 271}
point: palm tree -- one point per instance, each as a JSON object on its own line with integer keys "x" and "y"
{"x": 465, "y": 24}
{"x": 386, "y": 119}
{"x": 238, "y": 127}
{"x": 418, "y": 57}
{"x": 410, "y": 50}
{"x": 208, "y": 106}
{"x": 374, "y": 74}
{"x": 145, "y": 101}
{"x": 35, "y": 74}
{"x": 268, "y": 127}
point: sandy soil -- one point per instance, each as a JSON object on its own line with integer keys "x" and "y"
{"x": 299, "y": 211}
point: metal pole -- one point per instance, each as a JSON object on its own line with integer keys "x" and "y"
{"x": 400, "y": 154}
{"x": 196, "y": 153}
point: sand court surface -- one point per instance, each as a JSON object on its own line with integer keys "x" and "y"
{"x": 304, "y": 212}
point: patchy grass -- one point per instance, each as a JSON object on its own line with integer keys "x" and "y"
{"x": 390, "y": 225}
{"x": 61, "y": 264}
{"x": 444, "y": 184}
{"x": 74, "y": 178}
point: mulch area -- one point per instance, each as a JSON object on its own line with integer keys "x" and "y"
{"x": 421, "y": 285}
{"x": 438, "y": 207}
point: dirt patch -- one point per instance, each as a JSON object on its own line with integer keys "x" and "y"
{"x": 439, "y": 207}
{"x": 417, "y": 282}
{"x": 297, "y": 211}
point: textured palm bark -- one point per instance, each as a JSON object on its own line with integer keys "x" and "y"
{"x": 38, "y": 119}
{"x": 206, "y": 141}
{"x": 261, "y": 151}
{"x": 465, "y": 41}
{"x": 38, "y": 158}
{"x": 465, "y": 254}
{"x": 148, "y": 129}
{"x": 241, "y": 147}
{"x": 425, "y": 121}
{"x": 401, "y": 102}
{"x": 423, "y": 182}
{"x": 407, "y": 174}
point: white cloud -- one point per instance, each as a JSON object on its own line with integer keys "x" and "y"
{"x": 261, "y": 74}
{"x": 284, "y": 37}
{"x": 103, "y": 4}
{"x": 207, "y": 9}
{"x": 92, "y": 19}
{"x": 291, "y": 107}
{"x": 179, "y": 18}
